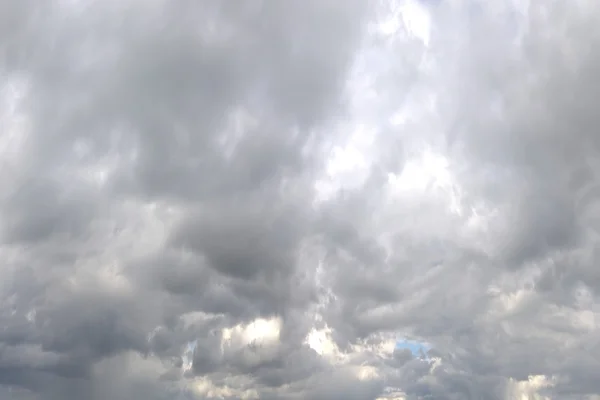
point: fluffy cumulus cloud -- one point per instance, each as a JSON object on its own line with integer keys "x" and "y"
{"x": 302, "y": 199}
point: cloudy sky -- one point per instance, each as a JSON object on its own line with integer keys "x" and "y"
{"x": 299, "y": 199}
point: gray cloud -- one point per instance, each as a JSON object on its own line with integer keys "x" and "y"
{"x": 180, "y": 220}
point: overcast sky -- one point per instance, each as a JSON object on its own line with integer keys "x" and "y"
{"x": 299, "y": 199}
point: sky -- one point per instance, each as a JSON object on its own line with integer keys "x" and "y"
{"x": 299, "y": 199}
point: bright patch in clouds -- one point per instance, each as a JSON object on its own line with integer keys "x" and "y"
{"x": 348, "y": 164}
{"x": 260, "y": 331}
{"x": 411, "y": 16}
{"x": 205, "y": 388}
{"x": 321, "y": 342}
{"x": 416, "y": 20}
{"x": 188, "y": 356}
{"x": 529, "y": 389}
{"x": 425, "y": 171}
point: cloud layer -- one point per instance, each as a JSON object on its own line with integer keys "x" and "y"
{"x": 259, "y": 200}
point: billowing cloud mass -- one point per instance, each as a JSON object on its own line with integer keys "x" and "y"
{"x": 300, "y": 199}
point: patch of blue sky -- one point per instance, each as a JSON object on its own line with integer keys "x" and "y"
{"x": 418, "y": 349}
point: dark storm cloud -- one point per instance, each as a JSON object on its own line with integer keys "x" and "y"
{"x": 150, "y": 95}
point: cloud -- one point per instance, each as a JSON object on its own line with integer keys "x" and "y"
{"x": 269, "y": 200}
